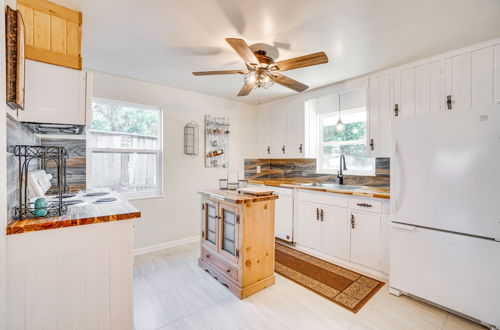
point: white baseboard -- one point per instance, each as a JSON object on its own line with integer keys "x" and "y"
{"x": 156, "y": 247}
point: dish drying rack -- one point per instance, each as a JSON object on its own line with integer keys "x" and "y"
{"x": 45, "y": 154}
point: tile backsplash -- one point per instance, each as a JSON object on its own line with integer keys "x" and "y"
{"x": 17, "y": 134}
{"x": 304, "y": 169}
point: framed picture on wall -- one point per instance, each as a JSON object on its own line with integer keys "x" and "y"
{"x": 15, "y": 70}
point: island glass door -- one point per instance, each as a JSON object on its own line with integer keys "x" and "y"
{"x": 211, "y": 223}
{"x": 229, "y": 232}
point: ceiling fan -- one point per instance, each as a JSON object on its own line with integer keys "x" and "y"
{"x": 262, "y": 71}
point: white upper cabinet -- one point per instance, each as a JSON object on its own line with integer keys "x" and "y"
{"x": 482, "y": 79}
{"x": 496, "y": 69}
{"x": 458, "y": 81}
{"x": 281, "y": 129}
{"x": 55, "y": 94}
{"x": 295, "y": 129}
{"x": 417, "y": 89}
{"x": 379, "y": 115}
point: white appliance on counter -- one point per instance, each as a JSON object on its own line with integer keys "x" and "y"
{"x": 445, "y": 201}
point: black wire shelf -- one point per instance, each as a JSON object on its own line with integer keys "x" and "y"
{"x": 45, "y": 154}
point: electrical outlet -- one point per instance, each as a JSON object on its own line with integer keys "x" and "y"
{"x": 258, "y": 169}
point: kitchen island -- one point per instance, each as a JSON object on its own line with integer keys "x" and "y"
{"x": 73, "y": 271}
{"x": 237, "y": 246}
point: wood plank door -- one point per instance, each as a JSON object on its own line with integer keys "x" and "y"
{"x": 229, "y": 232}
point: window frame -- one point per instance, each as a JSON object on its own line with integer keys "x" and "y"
{"x": 159, "y": 191}
{"x": 320, "y": 144}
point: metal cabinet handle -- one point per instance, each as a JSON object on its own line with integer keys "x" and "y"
{"x": 268, "y": 149}
{"x": 372, "y": 145}
{"x": 352, "y": 221}
{"x": 317, "y": 214}
{"x": 449, "y": 102}
{"x": 321, "y": 215}
{"x": 300, "y": 148}
{"x": 364, "y": 205}
{"x": 396, "y": 110}
{"x": 283, "y": 149}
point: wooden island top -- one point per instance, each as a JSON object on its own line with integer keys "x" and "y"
{"x": 232, "y": 196}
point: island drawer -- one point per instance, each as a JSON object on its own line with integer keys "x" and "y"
{"x": 222, "y": 266}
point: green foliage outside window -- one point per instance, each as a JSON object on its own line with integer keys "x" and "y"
{"x": 123, "y": 119}
{"x": 348, "y": 134}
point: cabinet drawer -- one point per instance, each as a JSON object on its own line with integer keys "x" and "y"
{"x": 226, "y": 269}
{"x": 365, "y": 204}
{"x": 323, "y": 197}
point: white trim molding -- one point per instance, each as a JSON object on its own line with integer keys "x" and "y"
{"x": 166, "y": 245}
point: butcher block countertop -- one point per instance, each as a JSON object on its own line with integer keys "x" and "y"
{"x": 85, "y": 213}
{"x": 233, "y": 196}
{"x": 364, "y": 191}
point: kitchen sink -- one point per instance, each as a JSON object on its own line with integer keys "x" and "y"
{"x": 331, "y": 186}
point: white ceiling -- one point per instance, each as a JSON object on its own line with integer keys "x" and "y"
{"x": 163, "y": 41}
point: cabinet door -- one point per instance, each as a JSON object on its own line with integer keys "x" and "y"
{"x": 428, "y": 96}
{"x": 365, "y": 239}
{"x": 210, "y": 223}
{"x": 404, "y": 91}
{"x": 335, "y": 232}
{"x": 277, "y": 126}
{"x": 379, "y": 116}
{"x": 295, "y": 139}
{"x": 482, "y": 77}
{"x": 284, "y": 215}
{"x": 54, "y": 94}
{"x": 458, "y": 80}
{"x": 308, "y": 225}
{"x": 497, "y": 74}
{"x": 229, "y": 232}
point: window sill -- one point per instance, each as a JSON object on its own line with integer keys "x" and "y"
{"x": 137, "y": 198}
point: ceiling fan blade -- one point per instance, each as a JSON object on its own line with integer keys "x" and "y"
{"x": 302, "y": 61}
{"x": 210, "y": 73}
{"x": 289, "y": 82}
{"x": 241, "y": 47}
{"x": 245, "y": 90}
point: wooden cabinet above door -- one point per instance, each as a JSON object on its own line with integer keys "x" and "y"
{"x": 53, "y": 33}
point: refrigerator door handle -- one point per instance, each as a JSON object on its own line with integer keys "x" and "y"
{"x": 402, "y": 226}
{"x": 398, "y": 177}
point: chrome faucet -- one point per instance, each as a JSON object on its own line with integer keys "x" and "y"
{"x": 340, "y": 175}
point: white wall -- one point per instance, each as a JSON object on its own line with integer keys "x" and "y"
{"x": 177, "y": 216}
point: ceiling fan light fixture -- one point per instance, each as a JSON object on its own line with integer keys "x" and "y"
{"x": 259, "y": 78}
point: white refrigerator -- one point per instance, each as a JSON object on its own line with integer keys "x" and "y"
{"x": 445, "y": 210}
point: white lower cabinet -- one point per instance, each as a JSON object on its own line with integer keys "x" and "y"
{"x": 335, "y": 231}
{"x": 308, "y": 225}
{"x": 323, "y": 228}
{"x": 365, "y": 239}
{"x": 355, "y": 233}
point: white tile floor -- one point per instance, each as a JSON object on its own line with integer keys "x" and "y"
{"x": 172, "y": 292}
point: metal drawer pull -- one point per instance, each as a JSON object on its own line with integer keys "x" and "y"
{"x": 364, "y": 205}
{"x": 317, "y": 214}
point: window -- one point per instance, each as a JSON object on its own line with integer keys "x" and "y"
{"x": 351, "y": 142}
{"x": 124, "y": 146}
